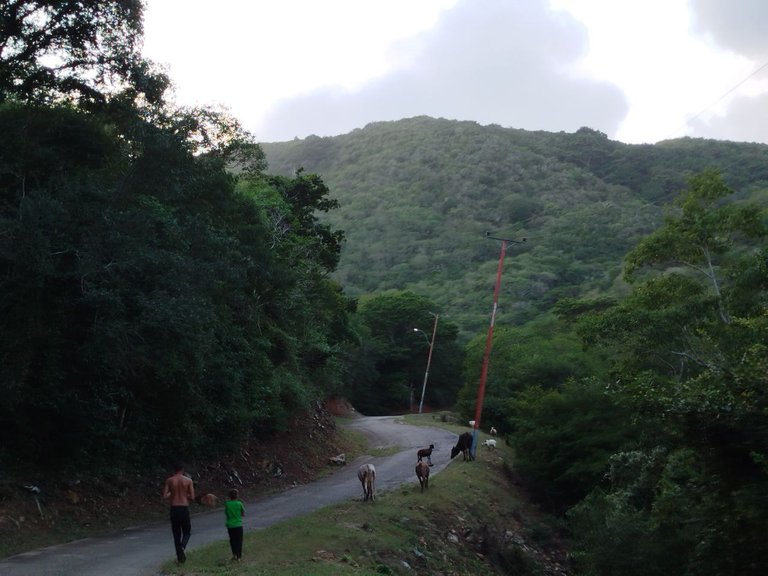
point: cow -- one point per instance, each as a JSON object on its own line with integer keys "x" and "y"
{"x": 367, "y": 476}
{"x": 422, "y": 473}
{"x": 464, "y": 445}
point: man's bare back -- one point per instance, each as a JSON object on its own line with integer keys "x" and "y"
{"x": 179, "y": 490}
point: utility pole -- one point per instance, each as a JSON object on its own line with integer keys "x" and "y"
{"x": 429, "y": 360}
{"x": 489, "y": 338}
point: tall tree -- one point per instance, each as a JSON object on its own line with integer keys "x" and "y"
{"x": 76, "y": 49}
{"x": 701, "y": 230}
{"x": 397, "y": 354}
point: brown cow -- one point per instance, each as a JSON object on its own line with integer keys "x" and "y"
{"x": 422, "y": 473}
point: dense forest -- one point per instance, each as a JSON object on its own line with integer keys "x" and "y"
{"x": 154, "y": 306}
{"x": 417, "y": 196}
{"x": 169, "y": 288}
{"x": 629, "y": 358}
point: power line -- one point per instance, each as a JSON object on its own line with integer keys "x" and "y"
{"x": 692, "y": 118}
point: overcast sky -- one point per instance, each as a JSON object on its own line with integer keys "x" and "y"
{"x": 638, "y": 70}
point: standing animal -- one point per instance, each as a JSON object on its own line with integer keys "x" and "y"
{"x": 425, "y": 453}
{"x": 367, "y": 476}
{"x": 493, "y": 431}
{"x": 490, "y": 443}
{"x": 464, "y": 445}
{"x": 422, "y": 473}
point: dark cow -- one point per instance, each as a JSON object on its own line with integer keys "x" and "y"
{"x": 464, "y": 445}
{"x": 422, "y": 473}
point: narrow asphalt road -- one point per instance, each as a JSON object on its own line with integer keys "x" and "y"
{"x": 141, "y": 551}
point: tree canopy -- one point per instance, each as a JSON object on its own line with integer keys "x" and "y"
{"x": 161, "y": 295}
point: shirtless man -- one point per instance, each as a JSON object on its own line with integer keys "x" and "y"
{"x": 179, "y": 491}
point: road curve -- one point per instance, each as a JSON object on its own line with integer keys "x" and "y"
{"x": 140, "y": 551}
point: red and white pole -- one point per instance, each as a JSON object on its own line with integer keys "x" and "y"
{"x": 489, "y": 342}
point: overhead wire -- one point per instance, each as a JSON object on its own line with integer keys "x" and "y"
{"x": 723, "y": 96}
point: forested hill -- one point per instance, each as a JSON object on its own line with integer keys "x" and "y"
{"x": 418, "y": 195}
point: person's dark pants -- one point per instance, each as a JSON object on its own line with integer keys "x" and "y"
{"x": 181, "y": 526}
{"x": 236, "y": 541}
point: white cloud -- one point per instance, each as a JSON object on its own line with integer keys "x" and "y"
{"x": 738, "y": 25}
{"x": 249, "y": 54}
{"x": 485, "y": 60}
{"x": 668, "y": 75}
{"x": 639, "y": 71}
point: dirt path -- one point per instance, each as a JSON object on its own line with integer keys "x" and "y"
{"x": 140, "y": 551}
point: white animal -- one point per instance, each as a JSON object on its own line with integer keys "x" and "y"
{"x": 493, "y": 431}
{"x": 471, "y": 423}
{"x": 490, "y": 443}
{"x": 367, "y": 476}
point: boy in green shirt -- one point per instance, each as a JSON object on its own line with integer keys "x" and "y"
{"x": 234, "y": 510}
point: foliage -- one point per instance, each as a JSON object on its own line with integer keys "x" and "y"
{"x": 564, "y": 437}
{"x": 74, "y": 49}
{"x": 392, "y": 356}
{"x": 543, "y": 354}
{"x": 675, "y": 512}
{"x": 690, "y": 353}
{"x": 701, "y": 232}
{"x": 153, "y": 305}
{"x": 416, "y": 197}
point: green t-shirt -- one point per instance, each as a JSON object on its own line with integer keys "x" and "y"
{"x": 234, "y": 510}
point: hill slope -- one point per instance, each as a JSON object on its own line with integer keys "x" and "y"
{"x": 418, "y": 195}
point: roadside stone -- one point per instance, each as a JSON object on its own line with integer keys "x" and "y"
{"x": 339, "y": 460}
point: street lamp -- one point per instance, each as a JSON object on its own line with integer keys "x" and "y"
{"x": 429, "y": 358}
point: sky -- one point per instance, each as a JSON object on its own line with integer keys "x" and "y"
{"x": 640, "y": 71}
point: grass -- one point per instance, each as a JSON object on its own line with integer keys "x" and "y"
{"x": 447, "y": 420}
{"x": 466, "y": 523}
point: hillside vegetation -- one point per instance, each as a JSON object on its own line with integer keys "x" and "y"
{"x": 417, "y": 196}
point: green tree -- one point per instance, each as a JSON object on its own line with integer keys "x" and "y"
{"x": 564, "y": 437}
{"x": 543, "y": 354}
{"x": 78, "y": 49}
{"x": 702, "y": 230}
{"x": 398, "y": 354}
{"x": 690, "y": 353}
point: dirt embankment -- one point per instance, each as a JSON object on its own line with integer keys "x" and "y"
{"x": 38, "y": 510}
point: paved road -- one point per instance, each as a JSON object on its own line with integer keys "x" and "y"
{"x": 140, "y": 551}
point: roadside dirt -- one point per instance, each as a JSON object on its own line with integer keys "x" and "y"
{"x": 41, "y": 511}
